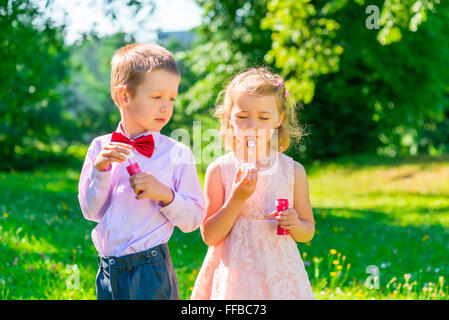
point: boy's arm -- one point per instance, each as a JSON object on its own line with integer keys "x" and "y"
{"x": 93, "y": 185}
{"x": 187, "y": 209}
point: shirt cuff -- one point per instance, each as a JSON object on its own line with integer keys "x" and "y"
{"x": 100, "y": 177}
{"x": 174, "y": 209}
{"x": 108, "y": 168}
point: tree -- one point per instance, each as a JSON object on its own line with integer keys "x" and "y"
{"x": 364, "y": 90}
{"x": 36, "y": 107}
{"x": 33, "y": 63}
{"x": 373, "y": 89}
{"x": 88, "y": 105}
{"x": 229, "y": 40}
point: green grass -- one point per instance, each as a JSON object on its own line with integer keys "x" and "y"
{"x": 392, "y": 214}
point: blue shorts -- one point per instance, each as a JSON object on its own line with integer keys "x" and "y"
{"x": 146, "y": 275}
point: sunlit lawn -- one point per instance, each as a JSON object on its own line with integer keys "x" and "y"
{"x": 392, "y": 215}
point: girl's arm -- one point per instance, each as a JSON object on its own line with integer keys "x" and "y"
{"x": 304, "y": 230}
{"x": 221, "y": 215}
{"x": 299, "y": 219}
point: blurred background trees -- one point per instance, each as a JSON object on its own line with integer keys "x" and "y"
{"x": 359, "y": 90}
{"x": 33, "y": 64}
{"x": 52, "y": 94}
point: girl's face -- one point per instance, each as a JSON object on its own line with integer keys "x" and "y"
{"x": 255, "y": 117}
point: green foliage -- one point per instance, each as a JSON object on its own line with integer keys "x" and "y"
{"x": 34, "y": 62}
{"x": 303, "y": 45}
{"x": 391, "y": 99}
{"x": 50, "y": 91}
{"x": 89, "y": 107}
{"x": 229, "y": 40}
{"x": 400, "y": 15}
{"x": 365, "y": 90}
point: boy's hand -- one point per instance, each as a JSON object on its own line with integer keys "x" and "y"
{"x": 287, "y": 219}
{"x": 112, "y": 152}
{"x": 145, "y": 185}
{"x": 244, "y": 185}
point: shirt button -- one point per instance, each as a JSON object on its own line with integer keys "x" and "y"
{"x": 117, "y": 207}
{"x": 111, "y": 262}
{"x": 154, "y": 253}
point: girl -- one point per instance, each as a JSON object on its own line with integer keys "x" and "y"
{"x": 246, "y": 259}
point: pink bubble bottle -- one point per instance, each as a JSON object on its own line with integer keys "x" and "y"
{"x": 281, "y": 205}
{"x": 133, "y": 168}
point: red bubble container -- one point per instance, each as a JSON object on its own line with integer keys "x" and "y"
{"x": 281, "y": 205}
{"x": 133, "y": 168}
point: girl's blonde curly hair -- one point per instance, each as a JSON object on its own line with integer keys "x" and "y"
{"x": 258, "y": 82}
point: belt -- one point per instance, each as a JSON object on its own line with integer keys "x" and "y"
{"x": 153, "y": 254}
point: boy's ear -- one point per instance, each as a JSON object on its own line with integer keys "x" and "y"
{"x": 123, "y": 97}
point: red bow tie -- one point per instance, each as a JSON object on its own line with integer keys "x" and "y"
{"x": 144, "y": 145}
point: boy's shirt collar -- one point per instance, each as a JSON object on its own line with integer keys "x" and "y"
{"x": 156, "y": 134}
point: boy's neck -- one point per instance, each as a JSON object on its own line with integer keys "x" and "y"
{"x": 130, "y": 127}
{"x": 132, "y": 131}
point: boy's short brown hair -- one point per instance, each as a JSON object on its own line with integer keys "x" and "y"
{"x": 130, "y": 63}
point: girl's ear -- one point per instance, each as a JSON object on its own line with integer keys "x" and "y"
{"x": 229, "y": 122}
{"x": 281, "y": 118}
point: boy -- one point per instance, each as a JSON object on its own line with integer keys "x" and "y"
{"x": 136, "y": 215}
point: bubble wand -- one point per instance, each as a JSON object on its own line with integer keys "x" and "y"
{"x": 133, "y": 168}
{"x": 244, "y": 167}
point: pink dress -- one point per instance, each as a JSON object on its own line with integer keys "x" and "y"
{"x": 252, "y": 262}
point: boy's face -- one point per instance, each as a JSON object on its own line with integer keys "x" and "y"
{"x": 152, "y": 105}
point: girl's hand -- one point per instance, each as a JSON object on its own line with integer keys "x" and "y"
{"x": 244, "y": 185}
{"x": 145, "y": 185}
{"x": 287, "y": 219}
{"x": 112, "y": 152}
